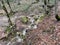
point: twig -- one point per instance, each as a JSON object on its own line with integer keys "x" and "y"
{"x": 7, "y": 14}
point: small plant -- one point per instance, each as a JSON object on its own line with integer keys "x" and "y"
{"x": 10, "y": 32}
{"x": 24, "y": 19}
{"x": 8, "y": 29}
{"x": 57, "y": 17}
{"x": 40, "y": 18}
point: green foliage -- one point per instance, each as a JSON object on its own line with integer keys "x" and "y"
{"x": 8, "y": 29}
{"x": 36, "y": 19}
{"x": 24, "y": 19}
{"x": 41, "y": 18}
{"x": 11, "y": 13}
{"x": 59, "y": 17}
{"x": 22, "y": 36}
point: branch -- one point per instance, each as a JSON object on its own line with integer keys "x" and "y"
{"x": 9, "y": 5}
{"x": 4, "y": 8}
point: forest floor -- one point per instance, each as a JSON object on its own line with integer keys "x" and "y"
{"x": 47, "y": 33}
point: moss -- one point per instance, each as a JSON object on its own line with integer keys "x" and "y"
{"x": 59, "y": 17}
{"x": 24, "y": 19}
{"x": 8, "y": 29}
{"x": 41, "y": 18}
